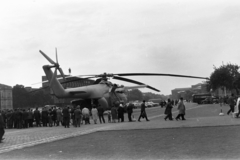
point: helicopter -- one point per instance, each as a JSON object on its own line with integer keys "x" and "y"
{"x": 102, "y": 87}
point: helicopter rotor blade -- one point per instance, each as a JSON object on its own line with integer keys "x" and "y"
{"x": 136, "y": 82}
{"x": 158, "y": 74}
{"x": 49, "y": 59}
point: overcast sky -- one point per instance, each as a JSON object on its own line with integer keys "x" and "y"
{"x": 96, "y": 36}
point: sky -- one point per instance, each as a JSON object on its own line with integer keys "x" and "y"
{"x": 121, "y": 36}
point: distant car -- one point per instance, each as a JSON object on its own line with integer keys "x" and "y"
{"x": 148, "y": 104}
{"x": 137, "y": 105}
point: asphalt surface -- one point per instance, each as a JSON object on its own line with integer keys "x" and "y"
{"x": 204, "y": 135}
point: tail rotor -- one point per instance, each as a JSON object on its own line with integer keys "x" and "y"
{"x": 55, "y": 65}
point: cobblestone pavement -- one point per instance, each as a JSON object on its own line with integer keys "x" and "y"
{"x": 20, "y": 138}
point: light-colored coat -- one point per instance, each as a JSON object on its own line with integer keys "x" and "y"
{"x": 94, "y": 113}
{"x": 181, "y": 107}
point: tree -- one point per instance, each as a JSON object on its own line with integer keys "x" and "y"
{"x": 24, "y": 99}
{"x": 134, "y": 95}
{"x": 225, "y": 76}
{"x": 20, "y": 97}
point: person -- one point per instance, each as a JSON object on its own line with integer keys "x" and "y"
{"x": 37, "y": 116}
{"x": 77, "y": 116}
{"x": 10, "y": 119}
{"x": 231, "y": 102}
{"x": 109, "y": 116}
{"x": 143, "y": 113}
{"x": 94, "y": 114}
{"x": 2, "y": 131}
{"x": 181, "y": 108}
{"x": 44, "y": 117}
{"x": 59, "y": 116}
{"x": 50, "y": 116}
{"x": 100, "y": 114}
{"x": 130, "y": 111}
{"x": 221, "y": 101}
{"x": 66, "y": 117}
{"x": 114, "y": 113}
{"x": 30, "y": 117}
{"x": 120, "y": 113}
{"x": 168, "y": 110}
{"x": 54, "y": 115}
{"x": 25, "y": 118}
{"x": 86, "y": 115}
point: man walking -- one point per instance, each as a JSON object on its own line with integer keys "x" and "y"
{"x": 181, "y": 108}
{"x": 143, "y": 113}
{"x": 231, "y": 103}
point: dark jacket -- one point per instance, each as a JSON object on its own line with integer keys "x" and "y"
{"x": 168, "y": 109}
{"x": 77, "y": 113}
{"x": 120, "y": 111}
{"x": 130, "y": 108}
{"x": 100, "y": 111}
{"x": 143, "y": 107}
{"x": 37, "y": 115}
{"x": 66, "y": 113}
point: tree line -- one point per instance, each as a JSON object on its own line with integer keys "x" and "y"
{"x": 226, "y": 76}
{"x": 24, "y": 99}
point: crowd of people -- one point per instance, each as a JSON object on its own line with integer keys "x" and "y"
{"x": 70, "y": 115}
{"x": 66, "y": 116}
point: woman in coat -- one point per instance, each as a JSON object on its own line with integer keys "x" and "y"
{"x": 181, "y": 108}
{"x": 168, "y": 110}
{"x": 114, "y": 114}
{"x": 59, "y": 116}
{"x": 94, "y": 114}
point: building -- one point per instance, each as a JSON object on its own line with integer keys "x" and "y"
{"x": 6, "y": 100}
{"x": 74, "y": 82}
{"x": 187, "y": 92}
{"x": 179, "y": 92}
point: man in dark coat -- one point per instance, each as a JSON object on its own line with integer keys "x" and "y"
{"x": 100, "y": 114}
{"x": 120, "y": 113}
{"x": 66, "y": 117}
{"x": 10, "y": 119}
{"x": 130, "y": 111}
{"x": 54, "y": 116}
{"x": 18, "y": 115}
{"x": 44, "y": 116}
{"x": 37, "y": 117}
{"x": 2, "y": 131}
{"x": 143, "y": 113}
{"x": 168, "y": 110}
{"x": 25, "y": 118}
{"x": 30, "y": 117}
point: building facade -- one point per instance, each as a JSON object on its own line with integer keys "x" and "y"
{"x": 6, "y": 100}
{"x": 186, "y": 93}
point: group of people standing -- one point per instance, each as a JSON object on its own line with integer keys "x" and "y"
{"x": 180, "y": 106}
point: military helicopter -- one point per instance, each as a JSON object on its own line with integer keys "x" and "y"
{"x": 101, "y": 87}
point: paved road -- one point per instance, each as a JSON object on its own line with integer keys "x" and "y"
{"x": 197, "y": 115}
